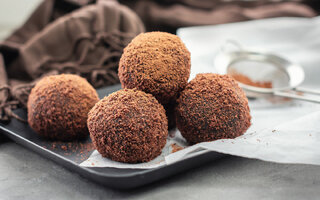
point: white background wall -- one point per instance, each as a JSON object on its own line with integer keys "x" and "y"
{"x": 13, "y": 13}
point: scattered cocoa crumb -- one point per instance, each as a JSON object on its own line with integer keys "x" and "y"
{"x": 300, "y": 93}
{"x": 64, "y": 147}
{"x": 310, "y": 135}
{"x": 80, "y": 150}
{"x": 258, "y": 140}
{"x": 246, "y": 80}
{"x": 273, "y": 131}
{"x": 278, "y": 100}
{"x": 176, "y": 148}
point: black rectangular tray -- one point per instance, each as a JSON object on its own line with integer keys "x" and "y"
{"x": 70, "y": 155}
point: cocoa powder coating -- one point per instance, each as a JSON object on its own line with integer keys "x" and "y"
{"x": 128, "y": 126}
{"x": 248, "y": 81}
{"x": 157, "y": 63}
{"x": 212, "y": 107}
{"x": 58, "y": 107}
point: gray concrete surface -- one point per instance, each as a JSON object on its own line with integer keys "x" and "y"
{"x": 26, "y": 175}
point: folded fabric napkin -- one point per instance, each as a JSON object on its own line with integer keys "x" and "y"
{"x": 88, "y": 42}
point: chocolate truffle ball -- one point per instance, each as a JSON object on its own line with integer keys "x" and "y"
{"x": 157, "y": 63}
{"x": 58, "y": 107}
{"x": 128, "y": 126}
{"x": 212, "y": 107}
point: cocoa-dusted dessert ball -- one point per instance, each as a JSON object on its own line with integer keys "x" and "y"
{"x": 212, "y": 107}
{"x": 128, "y": 126}
{"x": 58, "y": 107}
{"x": 157, "y": 63}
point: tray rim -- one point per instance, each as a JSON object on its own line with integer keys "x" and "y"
{"x": 19, "y": 139}
{"x": 132, "y": 179}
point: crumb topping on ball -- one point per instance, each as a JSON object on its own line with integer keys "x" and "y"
{"x": 128, "y": 126}
{"x": 212, "y": 107}
{"x": 58, "y": 106}
{"x": 157, "y": 63}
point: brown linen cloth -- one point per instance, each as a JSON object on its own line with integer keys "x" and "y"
{"x": 168, "y": 15}
{"x": 88, "y": 42}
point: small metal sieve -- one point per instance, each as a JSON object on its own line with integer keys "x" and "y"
{"x": 284, "y": 75}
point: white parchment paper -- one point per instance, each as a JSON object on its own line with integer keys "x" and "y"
{"x": 284, "y": 132}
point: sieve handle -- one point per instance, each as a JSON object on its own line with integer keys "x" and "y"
{"x": 307, "y": 90}
{"x": 299, "y": 97}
